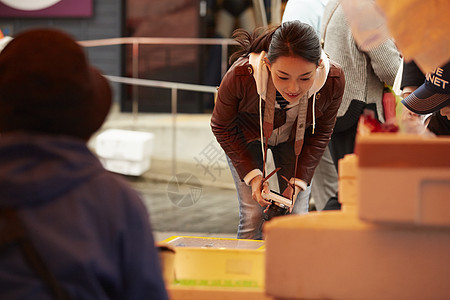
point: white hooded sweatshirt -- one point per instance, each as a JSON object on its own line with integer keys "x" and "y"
{"x": 280, "y": 135}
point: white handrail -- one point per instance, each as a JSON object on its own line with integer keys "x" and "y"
{"x": 156, "y": 41}
{"x": 163, "y": 84}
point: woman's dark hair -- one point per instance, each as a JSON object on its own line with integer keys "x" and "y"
{"x": 292, "y": 38}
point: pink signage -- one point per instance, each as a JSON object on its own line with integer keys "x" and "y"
{"x": 46, "y": 8}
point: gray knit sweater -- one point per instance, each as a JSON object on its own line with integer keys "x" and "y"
{"x": 365, "y": 72}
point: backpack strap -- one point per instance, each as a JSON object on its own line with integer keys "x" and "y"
{"x": 12, "y": 231}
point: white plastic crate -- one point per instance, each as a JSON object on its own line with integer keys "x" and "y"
{"x": 125, "y": 151}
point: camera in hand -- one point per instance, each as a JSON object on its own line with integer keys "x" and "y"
{"x": 280, "y": 205}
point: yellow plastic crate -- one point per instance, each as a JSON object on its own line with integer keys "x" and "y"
{"x": 218, "y": 262}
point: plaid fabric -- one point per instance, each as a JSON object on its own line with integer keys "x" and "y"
{"x": 281, "y": 101}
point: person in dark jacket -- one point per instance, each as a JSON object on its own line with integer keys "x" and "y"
{"x": 68, "y": 228}
{"x": 283, "y": 93}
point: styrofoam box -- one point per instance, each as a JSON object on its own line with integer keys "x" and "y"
{"x": 348, "y": 182}
{"x": 125, "y": 151}
{"x": 368, "y": 261}
{"x": 404, "y": 179}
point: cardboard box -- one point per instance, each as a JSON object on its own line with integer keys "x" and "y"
{"x": 124, "y": 151}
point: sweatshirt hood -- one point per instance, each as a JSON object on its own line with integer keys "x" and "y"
{"x": 39, "y": 168}
{"x": 261, "y": 73}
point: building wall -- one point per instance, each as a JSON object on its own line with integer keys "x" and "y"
{"x": 175, "y": 63}
{"x": 107, "y": 22}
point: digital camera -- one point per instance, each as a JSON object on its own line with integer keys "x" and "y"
{"x": 280, "y": 205}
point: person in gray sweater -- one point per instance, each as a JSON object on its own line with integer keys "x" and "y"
{"x": 366, "y": 73}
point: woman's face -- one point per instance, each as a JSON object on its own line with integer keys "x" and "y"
{"x": 292, "y": 76}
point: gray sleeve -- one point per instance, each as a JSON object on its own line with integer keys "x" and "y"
{"x": 385, "y": 60}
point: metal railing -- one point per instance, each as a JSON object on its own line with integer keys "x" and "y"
{"x": 137, "y": 41}
{"x": 173, "y": 86}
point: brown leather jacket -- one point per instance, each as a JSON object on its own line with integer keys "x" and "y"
{"x": 235, "y": 119}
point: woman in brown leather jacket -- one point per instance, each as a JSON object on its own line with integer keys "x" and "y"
{"x": 282, "y": 93}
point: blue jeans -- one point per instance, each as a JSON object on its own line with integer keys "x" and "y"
{"x": 251, "y": 214}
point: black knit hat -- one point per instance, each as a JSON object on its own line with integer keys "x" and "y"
{"x": 47, "y": 85}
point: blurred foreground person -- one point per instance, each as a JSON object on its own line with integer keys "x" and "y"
{"x": 68, "y": 228}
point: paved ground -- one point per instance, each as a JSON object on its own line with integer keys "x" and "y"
{"x": 184, "y": 207}
{"x": 191, "y": 202}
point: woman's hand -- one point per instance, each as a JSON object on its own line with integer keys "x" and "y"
{"x": 291, "y": 193}
{"x": 257, "y": 187}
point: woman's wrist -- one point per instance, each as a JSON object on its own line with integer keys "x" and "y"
{"x": 251, "y": 175}
{"x": 299, "y": 183}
